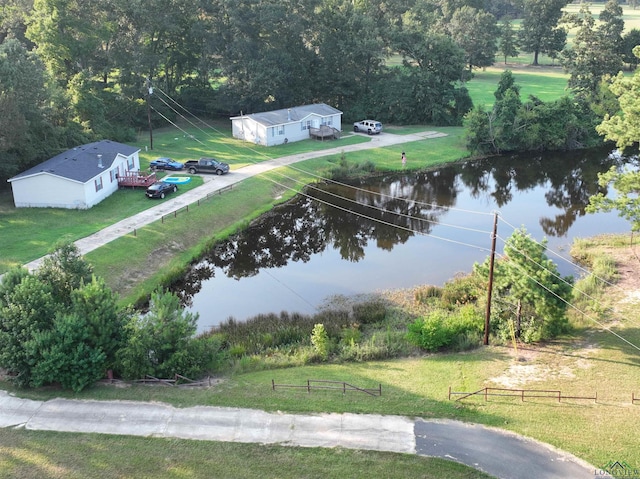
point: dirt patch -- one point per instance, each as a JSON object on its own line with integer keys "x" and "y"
{"x": 519, "y": 375}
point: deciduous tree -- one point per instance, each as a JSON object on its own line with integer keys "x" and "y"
{"x": 475, "y": 31}
{"x": 508, "y": 45}
{"x": 594, "y": 53}
{"x": 539, "y": 32}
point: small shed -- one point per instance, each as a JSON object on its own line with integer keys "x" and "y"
{"x": 288, "y": 124}
{"x": 78, "y": 178}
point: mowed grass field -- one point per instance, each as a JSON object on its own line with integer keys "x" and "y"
{"x": 590, "y": 362}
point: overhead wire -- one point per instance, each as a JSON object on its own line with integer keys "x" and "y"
{"x": 585, "y": 314}
{"x": 577, "y": 266}
{"x": 314, "y": 175}
{"x": 400, "y": 214}
{"x": 384, "y": 210}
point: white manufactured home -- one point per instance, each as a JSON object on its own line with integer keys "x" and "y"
{"x": 76, "y": 179}
{"x": 276, "y": 127}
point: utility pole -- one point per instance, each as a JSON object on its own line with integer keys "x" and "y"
{"x": 149, "y": 93}
{"x": 490, "y": 288}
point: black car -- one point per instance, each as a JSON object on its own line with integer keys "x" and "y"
{"x": 159, "y": 189}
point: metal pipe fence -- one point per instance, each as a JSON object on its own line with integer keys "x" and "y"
{"x": 197, "y": 203}
{"x": 521, "y": 393}
{"x": 341, "y": 386}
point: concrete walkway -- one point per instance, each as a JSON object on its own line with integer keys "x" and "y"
{"x": 214, "y": 183}
{"x": 498, "y": 453}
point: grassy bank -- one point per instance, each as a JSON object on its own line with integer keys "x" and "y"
{"x": 591, "y": 362}
{"x": 135, "y": 265}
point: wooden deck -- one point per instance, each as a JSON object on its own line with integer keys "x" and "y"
{"x": 134, "y": 179}
{"x": 325, "y": 132}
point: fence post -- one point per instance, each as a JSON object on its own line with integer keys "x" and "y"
{"x": 308, "y": 386}
{"x": 273, "y": 385}
{"x": 344, "y": 388}
{"x": 485, "y": 393}
{"x": 449, "y": 393}
{"x": 380, "y": 389}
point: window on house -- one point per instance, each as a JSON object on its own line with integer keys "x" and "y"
{"x": 113, "y": 174}
{"x": 130, "y": 163}
{"x": 281, "y": 130}
{"x": 98, "y": 183}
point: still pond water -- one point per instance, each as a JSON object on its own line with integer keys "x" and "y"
{"x": 395, "y": 232}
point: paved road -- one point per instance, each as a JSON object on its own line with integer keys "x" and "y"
{"x": 498, "y": 453}
{"x": 216, "y": 183}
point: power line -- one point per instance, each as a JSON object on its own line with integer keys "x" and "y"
{"x": 314, "y": 175}
{"x": 384, "y": 210}
{"x": 398, "y": 214}
{"x": 585, "y": 314}
{"x": 577, "y": 266}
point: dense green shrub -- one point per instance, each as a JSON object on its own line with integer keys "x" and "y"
{"x": 442, "y": 328}
{"x": 461, "y": 290}
{"x": 162, "y": 343}
{"x": 369, "y": 312}
{"x": 430, "y": 333}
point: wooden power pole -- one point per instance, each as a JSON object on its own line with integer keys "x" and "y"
{"x": 149, "y": 93}
{"x": 487, "y": 317}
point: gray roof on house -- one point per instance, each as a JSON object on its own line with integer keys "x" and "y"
{"x": 82, "y": 162}
{"x": 289, "y": 115}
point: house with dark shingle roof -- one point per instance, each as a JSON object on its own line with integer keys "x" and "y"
{"x": 76, "y": 179}
{"x": 282, "y": 126}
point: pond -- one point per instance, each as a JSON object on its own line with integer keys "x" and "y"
{"x": 397, "y": 231}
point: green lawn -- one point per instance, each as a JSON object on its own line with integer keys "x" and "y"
{"x": 590, "y": 363}
{"x": 547, "y": 83}
{"x": 50, "y": 455}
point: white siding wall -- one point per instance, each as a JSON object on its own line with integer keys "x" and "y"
{"x": 44, "y": 190}
{"x": 244, "y": 129}
{"x": 48, "y": 191}
{"x": 247, "y": 129}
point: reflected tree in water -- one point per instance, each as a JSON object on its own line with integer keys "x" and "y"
{"x": 391, "y": 209}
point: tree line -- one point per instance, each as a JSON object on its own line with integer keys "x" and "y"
{"x": 72, "y": 71}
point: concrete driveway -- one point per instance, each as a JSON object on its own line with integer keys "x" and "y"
{"x": 499, "y": 453}
{"x": 214, "y": 184}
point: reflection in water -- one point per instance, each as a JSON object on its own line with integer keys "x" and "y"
{"x": 390, "y": 210}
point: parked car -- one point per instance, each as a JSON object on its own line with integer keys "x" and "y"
{"x": 166, "y": 164}
{"x": 207, "y": 165}
{"x": 372, "y": 127}
{"x": 160, "y": 189}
